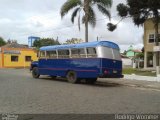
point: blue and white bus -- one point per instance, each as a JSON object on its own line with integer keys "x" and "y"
{"x": 79, "y": 61}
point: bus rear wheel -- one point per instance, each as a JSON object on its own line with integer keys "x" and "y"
{"x": 72, "y": 77}
{"x": 35, "y": 73}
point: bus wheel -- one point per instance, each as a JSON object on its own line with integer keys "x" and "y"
{"x": 72, "y": 77}
{"x": 91, "y": 80}
{"x": 35, "y": 73}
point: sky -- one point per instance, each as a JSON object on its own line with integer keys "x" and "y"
{"x": 20, "y": 19}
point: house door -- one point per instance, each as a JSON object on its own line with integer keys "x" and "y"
{"x": 149, "y": 59}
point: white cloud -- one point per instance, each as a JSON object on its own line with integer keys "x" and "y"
{"x": 22, "y": 18}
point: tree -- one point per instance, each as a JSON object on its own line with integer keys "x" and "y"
{"x": 87, "y": 6}
{"x": 2, "y": 42}
{"x": 140, "y": 11}
{"x": 125, "y": 52}
{"x": 45, "y": 42}
{"x": 139, "y": 55}
{"x": 37, "y": 44}
{"x": 73, "y": 41}
{"x": 139, "y": 59}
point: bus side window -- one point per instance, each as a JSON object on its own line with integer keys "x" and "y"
{"x": 38, "y": 54}
{"x": 91, "y": 52}
{"x": 63, "y": 53}
{"x": 51, "y": 54}
{"x": 47, "y": 54}
{"x": 82, "y": 53}
{"x": 74, "y": 53}
{"x": 42, "y": 54}
{"x": 78, "y": 53}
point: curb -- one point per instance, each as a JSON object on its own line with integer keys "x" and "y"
{"x": 144, "y": 78}
{"x": 142, "y": 86}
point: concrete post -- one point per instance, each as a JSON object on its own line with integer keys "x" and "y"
{"x": 158, "y": 70}
{"x": 145, "y": 60}
{"x": 154, "y": 60}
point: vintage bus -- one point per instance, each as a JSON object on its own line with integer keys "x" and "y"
{"x": 79, "y": 61}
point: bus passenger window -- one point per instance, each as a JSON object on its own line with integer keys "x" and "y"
{"x": 37, "y": 54}
{"x": 42, "y": 54}
{"x": 74, "y": 53}
{"x": 51, "y": 54}
{"x": 78, "y": 53}
{"x": 63, "y": 53}
{"x": 91, "y": 52}
{"x": 82, "y": 53}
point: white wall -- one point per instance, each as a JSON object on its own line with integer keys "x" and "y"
{"x": 126, "y": 62}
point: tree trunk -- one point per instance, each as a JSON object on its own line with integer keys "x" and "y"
{"x": 86, "y": 10}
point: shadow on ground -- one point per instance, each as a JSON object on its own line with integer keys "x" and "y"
{"x": 97, "y": 84}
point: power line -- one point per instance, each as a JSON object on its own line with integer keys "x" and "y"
{"x": 69, "y": 26}
{"x": 50, "y": 30}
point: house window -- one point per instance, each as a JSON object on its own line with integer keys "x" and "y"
{"x": 158, "y": 37}
{"x": 149, "y": 59}
{"x": 151, "y": 38}
{"x": 28, "y": 58}
{"x": 14, "y": 58}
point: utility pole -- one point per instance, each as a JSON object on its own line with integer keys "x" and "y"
{"x": 57, "y": 38}
{"x": 98, "y": 38}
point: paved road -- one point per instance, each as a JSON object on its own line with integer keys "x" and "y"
{"x": 20, "y": 93}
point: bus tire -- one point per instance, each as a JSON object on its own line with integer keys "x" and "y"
{"x": 91, "y": 80}
{"x": 72, "y": 77}
{"x": 35, "y": 73}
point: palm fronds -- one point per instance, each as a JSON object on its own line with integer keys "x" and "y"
{"x": 104, "y": 11}
{"x": 105, "y": 3}
{"x": 92, "y": 17}
{"x": 68, "y": 5}
{"x": 74, "y": 14}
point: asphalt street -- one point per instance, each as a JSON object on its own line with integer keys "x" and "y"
{"x": 20, "y": 93}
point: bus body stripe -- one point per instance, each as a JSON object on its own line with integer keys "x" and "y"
{"x": 67, "y": 69}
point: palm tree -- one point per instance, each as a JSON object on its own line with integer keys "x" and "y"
{"x": 87, "y": 6}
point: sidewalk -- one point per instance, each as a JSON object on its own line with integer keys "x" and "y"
{"x": 134, "y": 83}
{"x": 138, "y": 77}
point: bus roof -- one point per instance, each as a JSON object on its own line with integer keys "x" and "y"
{"x": 81, "y": 45}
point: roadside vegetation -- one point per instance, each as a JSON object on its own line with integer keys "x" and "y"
{"x": 2, "y": 42}
{"x": 138, "y": 72}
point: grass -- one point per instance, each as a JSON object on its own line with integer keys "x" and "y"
{"x": 138, "y": 72}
